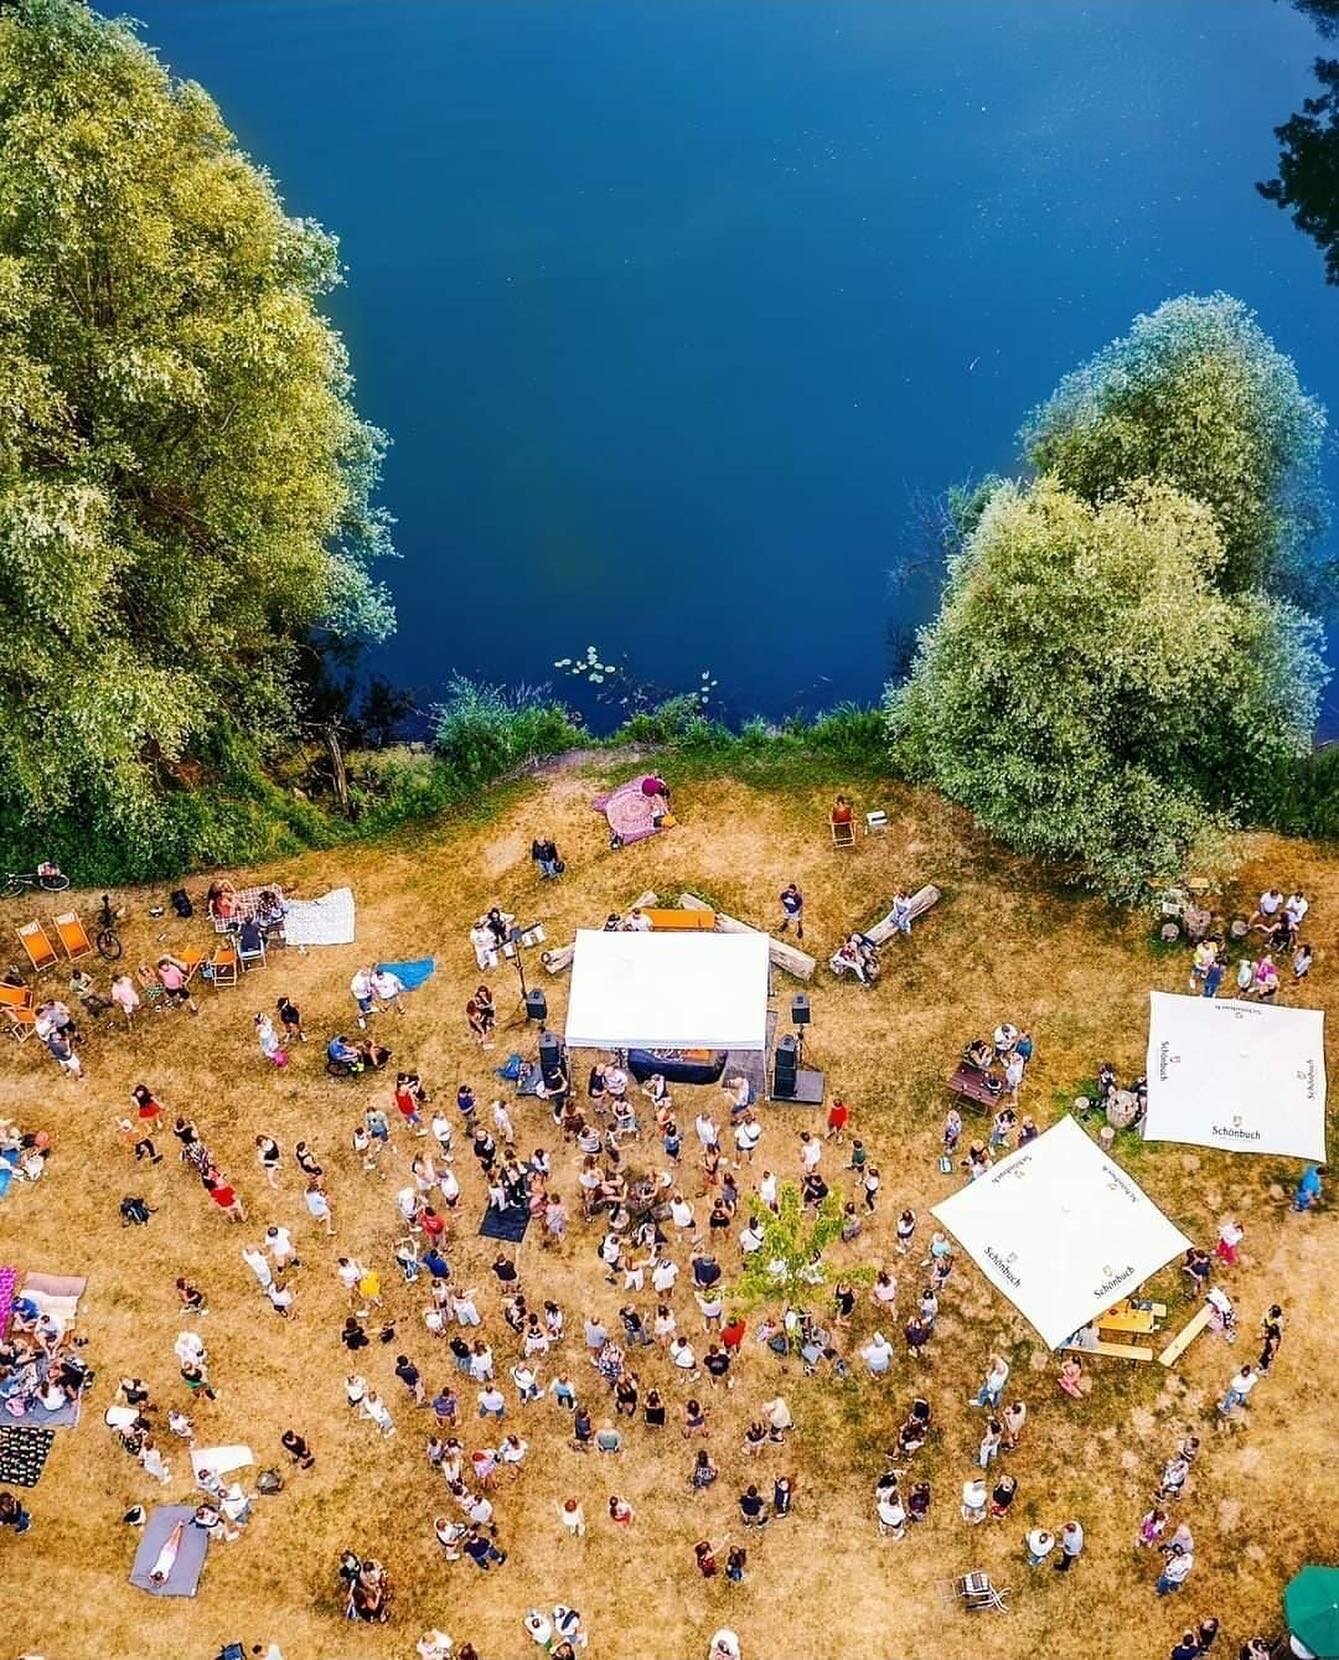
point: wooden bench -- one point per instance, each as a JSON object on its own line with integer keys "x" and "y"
{"x": 1186, "y": 1336}
{"x": 690, "y": 920}
{"x": 969, "y": 1084}
{"x": 1115, "y": 1351}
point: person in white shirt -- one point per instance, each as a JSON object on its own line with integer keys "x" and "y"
{"x": 750, "y": 1238}
{"x": 707, "y": 1133}
{"x": 360, "y": 989}
{"x": 681, "y": 1212}
{"x": 1271, "y": 902}
{"x": 255, "y": 1261}
{"x": 811, "y": 1151}
{"x": 573, "y": 1518}
{"x": 767, "y": 1190}
{"x": 637, "y": 922}
{"x": 877, "y": 1355}
{"x": 375, "y": 1409}
{"x": 1239, "y": 1390}
{"x": 664, "y": 1275}
{"x": 279, "y": 1243}
{"x": 389, "y": 989}
{"x": 1297, "y": 905}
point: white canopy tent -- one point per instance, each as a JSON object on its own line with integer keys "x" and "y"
{"x": 1242, "y": 1077}
{"x": 668, "y": 991}
{"x": 1061, "y": 1230}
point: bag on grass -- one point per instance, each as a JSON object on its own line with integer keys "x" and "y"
{"x": 180, "y": 902}
{"x": 134, "y": 1213}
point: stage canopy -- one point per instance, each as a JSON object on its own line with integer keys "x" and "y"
{"x": 668, "y": 991}
{"x": 1242, "y": 1077}
{"x": 1061, "y": 1231}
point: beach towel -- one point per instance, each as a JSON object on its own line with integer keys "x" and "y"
{"x": 171, "y": 1554}
{"x": 221, "y": 1460}
{"x": 412, "y": 974}
{"x": 325, "y": 921}
{"x": 630, "y": 813}
{"x": 508, "y": 1225}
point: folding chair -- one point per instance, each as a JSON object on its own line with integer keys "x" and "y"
{"x": 246, "y": 958}
{"x": 16, "y": 1008}
{"x": 41, "y": 952}
{"x": 73, "y": 936}
{"x": 977, "y": 1593}
{"x": 223, "y": 966}
{"x": 843, "y": 832}
{"x": 190, "y": 961}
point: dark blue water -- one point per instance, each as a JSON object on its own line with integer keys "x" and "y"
{"x": 673, "y": 309}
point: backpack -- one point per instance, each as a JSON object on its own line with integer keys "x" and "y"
{"x": 269, "y": 1481}
{"x": 180, "y": 902}
{"x": 134, "y": 1212}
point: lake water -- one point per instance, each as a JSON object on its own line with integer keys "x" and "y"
{"x": 673, "y": 311}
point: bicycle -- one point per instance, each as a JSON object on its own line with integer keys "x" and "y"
{"x": 48, "y": 878}
{"x": 108, "y": 941}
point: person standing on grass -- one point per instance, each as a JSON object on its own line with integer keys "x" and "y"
{"x": 388, "y": 988}
{"x": 544, "y": 854}
{"x": 839, "y": 1116}
{"x": 1071, "y": 1547}
{"x": 1271, "y": 1333}
{"x": 993, "y": 1387}
{"x": 127, "y": 998}
{"x": 268, "y": 1158}
{"x": 1239, "y": 1390}
{"x": 792, "y": 910}
{"x": 360, "y": 989}
{"x": 318, "y": 1205}
{"x": 1176, "y": 1569}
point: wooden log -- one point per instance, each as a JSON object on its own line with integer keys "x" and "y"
{"x": 919, "y": 903}
{"x": 559, "y": 958}
{"x": 788, "y": 957}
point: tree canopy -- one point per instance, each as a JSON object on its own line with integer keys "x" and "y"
{"x": 185, "y": 487}
{"x": 1307, "y": 182}
{"x": 1090, "y": 689}
{"x": 1198, "y": 397}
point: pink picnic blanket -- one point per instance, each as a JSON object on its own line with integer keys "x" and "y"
{"x": 631, "y": 814}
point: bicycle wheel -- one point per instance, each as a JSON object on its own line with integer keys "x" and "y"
{"x": 54, "y": 884}
{"x": 14, "y": 886}
{"x": 109, "y": 944}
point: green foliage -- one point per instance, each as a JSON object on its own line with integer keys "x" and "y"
{"x": 678, "y": 721}
{"x": 1091, "y": 692}
{"x": 1196, "y": 396}
{"x": 789, "y": 1263}
{"x": 184, "y": 485}
{"x": 1307, "y": 182}
{"x": 483, "y": 731}
{"x": 1300, "y": 797}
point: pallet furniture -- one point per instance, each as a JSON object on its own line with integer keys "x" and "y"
{"x": 843, "y": 832}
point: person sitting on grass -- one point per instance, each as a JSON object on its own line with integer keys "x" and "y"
{"x": 342, "y": 1059}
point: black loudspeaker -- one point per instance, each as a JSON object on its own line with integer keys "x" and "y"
{"x": 800, "y": 1012}
{"x": 536, "y": 1005}
{"x": 550, "y": 1058}
{"x": 787, "y": 1065}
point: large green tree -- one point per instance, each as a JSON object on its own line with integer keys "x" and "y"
{"x": 1197, "y": 396}
{"x": 185, "y": 488}
{"x": 1091, "y": 691}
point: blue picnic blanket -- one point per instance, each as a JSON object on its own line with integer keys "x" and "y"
{"x": 411, "y": 975}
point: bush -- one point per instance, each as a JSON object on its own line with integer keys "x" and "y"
{"x": 482, "y": 732}
{"x": 1299, "y": 798}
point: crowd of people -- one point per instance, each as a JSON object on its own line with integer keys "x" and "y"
{"x": 674, "y": 1198}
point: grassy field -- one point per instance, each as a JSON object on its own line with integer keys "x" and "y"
{"x": 1001, "y": 945}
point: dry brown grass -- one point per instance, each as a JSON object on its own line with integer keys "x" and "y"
{"x": 821, "y": 1583}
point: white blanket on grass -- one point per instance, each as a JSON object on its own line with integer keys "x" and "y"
{"x": 324, "y": 921}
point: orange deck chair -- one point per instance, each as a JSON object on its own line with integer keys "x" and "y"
{"x": 16, "y": 1007}
{"x": 41, "y": 952}
{"x": 224, "y": 966}
{"x": 73, "y": 936}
